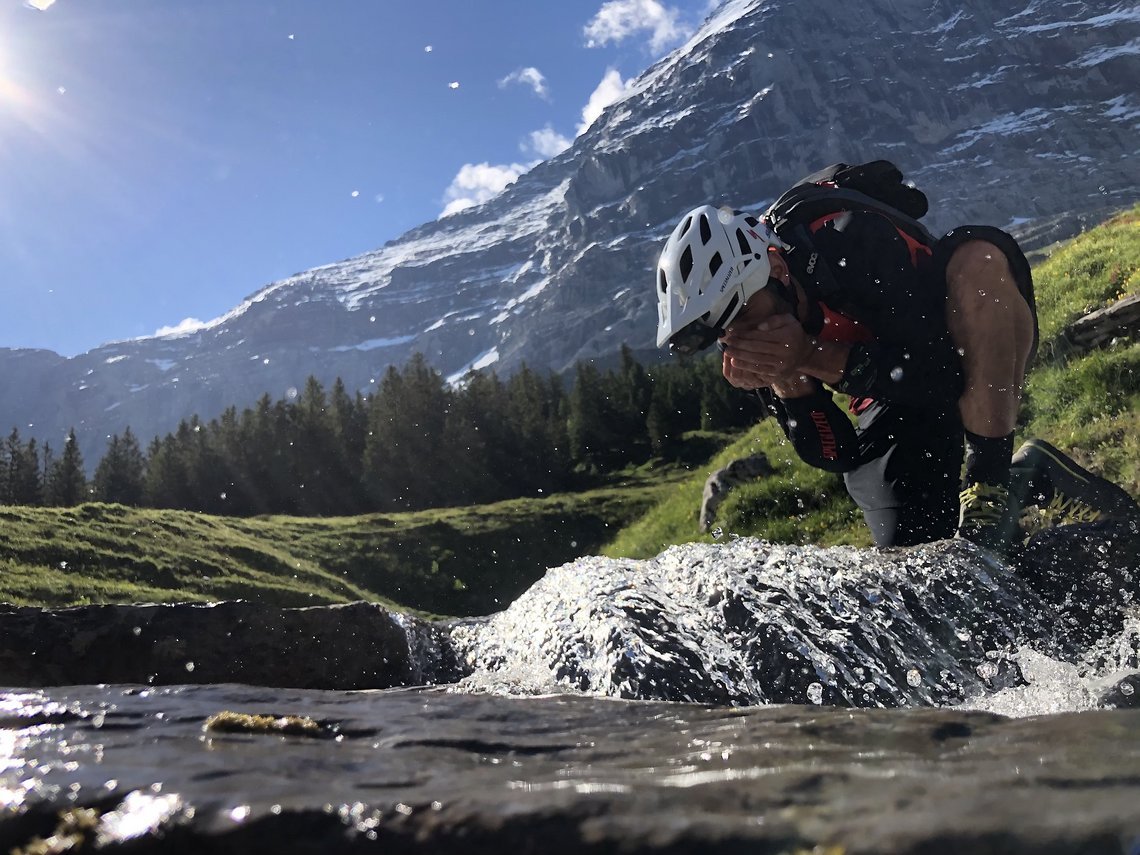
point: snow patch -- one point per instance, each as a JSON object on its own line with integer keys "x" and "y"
{"x": 111, "y": 360}
{"x": 373, "y": 344}
{"x": 1121, "y": 109}
{"x": 1104, "y": 54}
{"x": 1110, "y": 19}
{"x": 480, "y": 362}
{"x": 1033, "y": 119}
{"x": 162, "y": 364}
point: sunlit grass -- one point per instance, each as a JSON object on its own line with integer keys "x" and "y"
{"x": 798, "y": 504}
{"x": 454, "y": 561}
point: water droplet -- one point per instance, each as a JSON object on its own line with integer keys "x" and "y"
{"x": 914, "y": 677}
{"x": 815, "y": 693}
{"x": 1127, "y": 689}
{"x": 725, "y": 215}
{"x": 897, "y": 373}
{"x": 189, "y": 666}
{"x": 842, "y": 262}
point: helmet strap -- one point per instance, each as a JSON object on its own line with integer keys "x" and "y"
{"x": 787, "y": 293}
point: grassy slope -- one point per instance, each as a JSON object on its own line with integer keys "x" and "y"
{"x": 449, "y": 561}
{"x": 1087, "y": 405}
{"x": 1090, "y": 405}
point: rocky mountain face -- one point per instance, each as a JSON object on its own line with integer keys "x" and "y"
{"x": 1018, "y": 113}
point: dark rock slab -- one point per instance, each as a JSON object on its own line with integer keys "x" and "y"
{"x": 355, "y": 646}
{"x": 123, "y": 769}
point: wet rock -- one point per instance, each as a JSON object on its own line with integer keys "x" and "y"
{"x": 424, "y": 771}
{"x": 721, "y": 482}
{"x": 352, "y": 646}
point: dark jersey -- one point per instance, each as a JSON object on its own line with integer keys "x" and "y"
{"x": 889, "y": 307}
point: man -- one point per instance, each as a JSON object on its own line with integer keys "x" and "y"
{"x": 931, "y": 343}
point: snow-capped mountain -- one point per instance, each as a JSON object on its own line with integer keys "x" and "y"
{"x": 1010, "y": 112}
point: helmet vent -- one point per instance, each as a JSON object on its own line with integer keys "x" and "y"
{"x": 714, "y": 264}
{"x": 662, "y": 282}
{"x": 686, "y": 263}
{"x": 752, "y": 221}
{"x": 706, "y": 230}
{"x": 745, "y": 248}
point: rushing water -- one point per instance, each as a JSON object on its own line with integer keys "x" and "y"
{"x": 562, "y": 724}
{"x": 747, "y": 622}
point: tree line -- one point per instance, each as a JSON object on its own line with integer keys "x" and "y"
{"x": 414, "y": 443}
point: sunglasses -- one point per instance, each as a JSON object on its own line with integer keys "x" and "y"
{"x": 694, "y": 338}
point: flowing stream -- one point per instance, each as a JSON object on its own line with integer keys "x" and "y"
{"x": 714, "y": 698}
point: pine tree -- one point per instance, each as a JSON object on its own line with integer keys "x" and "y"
{"x": 120, "y": 476}
{"x": 66, "y": 482}
{"x": 592, "y": 427}
{"x": 25, "y": 479}
{"x": 406, "y": 463}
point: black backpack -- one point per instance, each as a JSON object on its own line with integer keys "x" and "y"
{"x": 876, "y": 186}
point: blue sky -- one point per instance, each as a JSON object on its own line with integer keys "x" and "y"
{"x": 160, "y": 160}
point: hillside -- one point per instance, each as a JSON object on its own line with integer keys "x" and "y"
{"x": 456, "y": 561}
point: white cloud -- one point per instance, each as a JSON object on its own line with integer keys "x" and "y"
{"x": 475, "y": 183}
{"x": 186, "y": 327}
{"x": 40, "y": 4}
{"x": 454, "y": 84}
{"x": 546, "y": 143}
{"x": 617, "y": 20}
{"x": 529, "y": 76}
{"x": 607, "y": 92}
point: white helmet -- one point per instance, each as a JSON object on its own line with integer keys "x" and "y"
{"x": 712, "y": 263}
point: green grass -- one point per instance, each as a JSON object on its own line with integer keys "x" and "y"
{"x": 1089, "y": 405}
{"x": 455, "y": 561}
{"x": 97, "y": 553}
{"x": 797, "y": 505}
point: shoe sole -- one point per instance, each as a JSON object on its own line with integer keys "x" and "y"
{"x": 1070, "y": 479}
